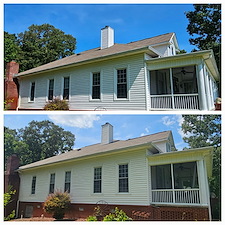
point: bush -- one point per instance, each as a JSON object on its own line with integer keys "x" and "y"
{"x": 92, "y": 218}
{"x": 118, "y": 215}
{"x": 57, "y": 204}
{"x": 56, "y": 104}
{"x": 7, "y": 200}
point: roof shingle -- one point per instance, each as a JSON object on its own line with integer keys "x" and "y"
{"x": 100, "y": 149}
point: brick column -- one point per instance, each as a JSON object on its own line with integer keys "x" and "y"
{"x": 11, "y": 89}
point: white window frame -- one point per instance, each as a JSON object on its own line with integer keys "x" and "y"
{"x": 97, "y": 167}
{"x": 47, "y": 91}
{"x": 128, "y": 82}
{"x": 118, "y": 178}
{"x": 62, "y": 87}
{"x": 35, "y": 186}
{"x": 35, "y": 86}
{"x": 91, "y": 85}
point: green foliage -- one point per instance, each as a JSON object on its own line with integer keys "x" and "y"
{"x": 38, "y": 45}
{"x": 205, "y": 28}
{"x": 202, "y": 130}
{"x": 118, "y": 215}
{"x": 12, "y": 50}
{"x": 37, "y": 141}
{"x": 91, "y": 218}
{"x": 57, "y": 204}
{"x": 7, "y": 200}
{"x": 57, "y": 104}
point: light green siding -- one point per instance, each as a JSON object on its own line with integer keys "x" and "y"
{"x": 80, "y": 85}
{"x": 82, "y": 176}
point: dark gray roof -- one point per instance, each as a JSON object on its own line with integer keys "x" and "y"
{"x": 100, "y": 149}
{"x": 97, "y": 53}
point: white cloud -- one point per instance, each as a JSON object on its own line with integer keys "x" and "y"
{"x": 168, "y": 121}
{"x": 80, "y": 121}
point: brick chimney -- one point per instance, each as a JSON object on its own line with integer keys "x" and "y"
{"x": 107, "y": 133}
{"x": 11, "y": 89}
{"x": 107, "y": 37}
{"x": 12, "y": 179}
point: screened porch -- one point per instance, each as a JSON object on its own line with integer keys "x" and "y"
{"x": 175, "y": 184}
{"x": 174, "y": 88}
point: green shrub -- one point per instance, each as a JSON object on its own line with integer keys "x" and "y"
{"x": 118, "y": 215}
{"x": 57, "y": 204}
{"x": 91, "y": 218}
{"x": 57, "y": 104}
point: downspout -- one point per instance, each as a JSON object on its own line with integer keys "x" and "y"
{"x": 147, "y": 87}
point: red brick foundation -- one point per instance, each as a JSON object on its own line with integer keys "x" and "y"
{"x": 150, "y": 213}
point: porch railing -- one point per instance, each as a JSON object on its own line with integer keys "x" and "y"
{"x": 176, "y": 101}
{"x": 176, "y": 196}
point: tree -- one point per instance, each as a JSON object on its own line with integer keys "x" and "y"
{"x": 38, "y": 45}
{"x": 7, "y": 200}
{"x": 12, "y": 50}
{"x": 45, "y": 139}
{"x": 37, "y": 141}
{"x": 202, "y": 131}
{"x": 13, "y": 145}
{"x": 205, "y": 28}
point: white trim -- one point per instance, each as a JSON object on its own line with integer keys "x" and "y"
{"x": 62, "y": 87}
{"x": 48, "y": 81}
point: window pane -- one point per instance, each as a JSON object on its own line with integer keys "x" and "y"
{"x": 161, "y": 177}
{"x": 123, "y": 178}
{"x": 122, "y": 83}
{"x": 96, "y": 86}
{"x": 66, "y": 88}
{"x": 67, "y": 181}
{"x": 50, "y": 90}
{"x": 185, "y": 175}
{"x": 160, "y": 82}
{"x": 32, "y": 91}
{"x": 52, "y": 183}
{"x": 97, "y": 180}
{"x": 33, "y": 185}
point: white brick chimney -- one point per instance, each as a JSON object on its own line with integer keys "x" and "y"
{"x": 107, "y": 133}
{"x": 107, "y": 37}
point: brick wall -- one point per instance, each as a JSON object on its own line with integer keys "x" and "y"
{"x": 138, "y": 213}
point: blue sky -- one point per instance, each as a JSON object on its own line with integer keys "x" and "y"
{"x": 131, "y": 22}
{"x": 87, "y": 127}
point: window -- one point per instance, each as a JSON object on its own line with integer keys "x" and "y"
{"x": 67, "y": 181}
{"x": 52, "y": 183}
{"x": 122, "y": 83}
{"x": 66, "y": 88}
{"x": 50, "y": 89}
{"x": 33, "y": 185}
{"x": 32, "y": 89}
{"x": 123, "y": 178}
{"x": 96, "y": 86}
{"x": 98, "y": 180}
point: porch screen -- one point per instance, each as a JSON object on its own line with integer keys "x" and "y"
{"x": 185, "y": 176}
{"x": 160, "y": 82}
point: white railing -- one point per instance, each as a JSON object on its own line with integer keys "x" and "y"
{"x": 176, "y": 101}
{"x": 176, "y": 196}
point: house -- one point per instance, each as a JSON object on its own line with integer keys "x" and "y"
{"x": 143, "y": 176}
{"x": 141, "y": 75}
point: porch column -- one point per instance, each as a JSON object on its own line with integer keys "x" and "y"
{"x": 201, "y": 87}
{"x": 202, "y": 183}
{"x": 208, "y": 96}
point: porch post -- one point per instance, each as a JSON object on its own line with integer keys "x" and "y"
{"x": 202, "y": 183}
{"x": 208, "y": 96}
{"x": 201, "y": 87}
{"x": 171, "y": 85}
